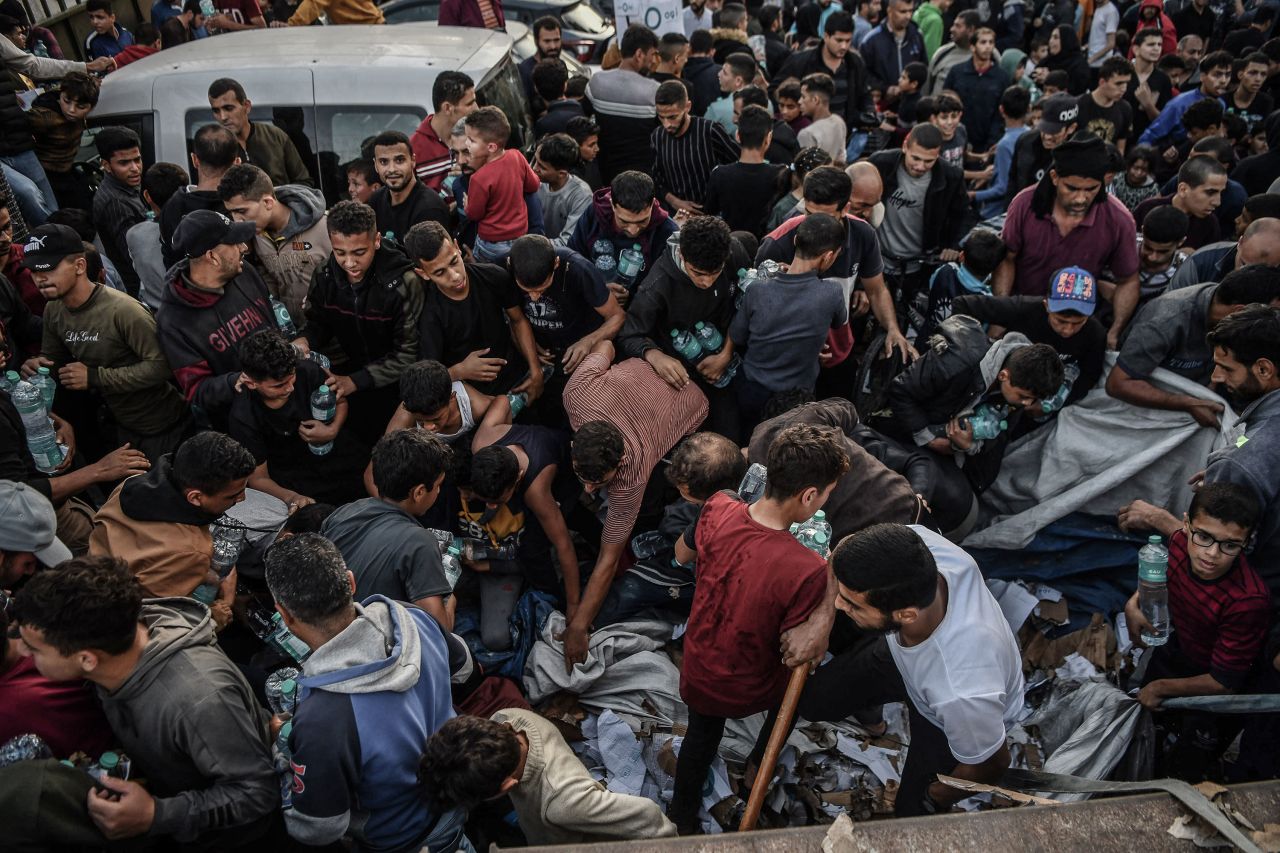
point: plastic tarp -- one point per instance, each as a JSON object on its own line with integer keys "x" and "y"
{"x": 1086, "y": 727}
{"x": 531, "y": 614}
{"x": 624, "y": 671}
{"x": 1098, "y": 455}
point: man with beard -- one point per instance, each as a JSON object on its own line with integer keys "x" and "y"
{"x": 929, "y": 634}
{"x": 686, "y": 149}
{"x": 546, "y": 37}
{"x": 403, "y": 201}
{"x": 1068, "y": 220}
{"x": 834, "y": 56}
{"x": 453, "y": 97}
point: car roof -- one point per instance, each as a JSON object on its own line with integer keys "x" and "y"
{"x": 382, "y": 53}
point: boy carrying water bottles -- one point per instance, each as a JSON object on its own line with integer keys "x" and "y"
{"x": 1219, "y": 610}
{"x": 754, "y": 582}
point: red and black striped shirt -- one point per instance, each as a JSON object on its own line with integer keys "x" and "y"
{"x": 1222, "y": 624}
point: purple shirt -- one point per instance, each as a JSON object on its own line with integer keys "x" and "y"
{"x": 1105, "y": 239}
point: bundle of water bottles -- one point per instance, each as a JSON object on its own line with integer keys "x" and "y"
{"x": 748, "y": 277}
{"x": 282, "y": 696}
{"x": 703, "y": 342}
{"x": 33, "y": 398}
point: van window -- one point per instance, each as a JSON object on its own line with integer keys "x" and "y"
{"x": 142, "y": 124}
{"x": 344, "y": 131}
{"x": 503, "y": 89}
{"x": 297, "y": 121}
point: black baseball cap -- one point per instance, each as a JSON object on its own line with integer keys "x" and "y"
{"x": 201, "y": 230}
{"x": 47, "y": 245}
{"x": 1058, "y": 111}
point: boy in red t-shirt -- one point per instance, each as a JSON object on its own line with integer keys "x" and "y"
{"x": 495, "y": 196}
{"x": 1220, "y": 610}
{"x": 754, "y": 581}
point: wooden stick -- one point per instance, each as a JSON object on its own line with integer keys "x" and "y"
{"x": 781, "y": 728}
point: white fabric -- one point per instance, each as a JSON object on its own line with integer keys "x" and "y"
{"x": 1106, "y": 20}
{"x": 1097, "y": 456}
{"x": 966, "y": 678}
{"x": 623, "y": 671}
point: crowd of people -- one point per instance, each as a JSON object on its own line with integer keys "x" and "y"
{"x": 788, "y": 265}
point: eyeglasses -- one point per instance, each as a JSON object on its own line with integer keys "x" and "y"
{"x": 1229, "y": 547}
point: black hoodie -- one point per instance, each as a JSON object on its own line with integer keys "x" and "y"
{"x": 201, "y": 332}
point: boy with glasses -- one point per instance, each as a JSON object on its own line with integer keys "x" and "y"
{"x": 1219, "y": 608}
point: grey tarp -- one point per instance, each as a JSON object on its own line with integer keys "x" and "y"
{"x": 1098, "y": 455}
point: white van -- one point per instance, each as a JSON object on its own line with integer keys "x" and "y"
{"x": 329, "y": 88}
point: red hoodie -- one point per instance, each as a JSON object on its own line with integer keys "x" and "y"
{"x": 1162, "y": 21}
{"x": 133, "y": 53}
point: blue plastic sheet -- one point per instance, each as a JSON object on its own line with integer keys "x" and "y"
{"x": 1087, "y": 558}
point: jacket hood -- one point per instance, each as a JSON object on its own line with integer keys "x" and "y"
{"x": 602, "y": 200}
{"x": 172, "y": 624}
{"x": 1010, "y": 59}
{"x": 155, "y": 496}
{"x": 1158, "y": 4}
{"x": 306, "y": 206}
{"x": 379, "y": 651}
{"x": 178, "y": 292}
{"x": 994, "y": 359}
{"x": 722, "y": 34}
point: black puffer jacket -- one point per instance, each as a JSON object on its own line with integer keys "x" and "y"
{"x": 948, "y": 380}
{"x": 15, "y": 128}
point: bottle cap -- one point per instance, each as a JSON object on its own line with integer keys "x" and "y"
{"x": 454, "y": 550}
{"x": 820, "y": 537}
{"x": 742, "y": 271}
{"x": 1154, "y": 539}
{"x": 108, "y": 761}
{"x": 675, "y": 333}
{"x": 819, "y": 516}
{"x": 289, "y": 686}
{"x": 697, "y": 325}
{"x": 43, "y": 371}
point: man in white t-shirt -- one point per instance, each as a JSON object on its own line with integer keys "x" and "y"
{"x": 931, "y": 636}
{"x": 1102, "y": 32}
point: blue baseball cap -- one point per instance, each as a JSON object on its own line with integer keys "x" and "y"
{"x": 1073, "y": 289}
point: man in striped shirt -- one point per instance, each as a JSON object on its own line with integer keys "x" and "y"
{"x": 453, "y": 96}
{"x": 686, "y": 148}
{"x": 625, "y": 419}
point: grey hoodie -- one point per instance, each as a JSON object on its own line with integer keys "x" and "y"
{"x": 190, "y": 723}
{"x": 288, "y": 261}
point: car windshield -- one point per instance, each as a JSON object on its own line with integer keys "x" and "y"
{"x": 504, "y": 90}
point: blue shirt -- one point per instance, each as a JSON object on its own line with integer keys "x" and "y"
{"x": 991, "y": 200}
{"x": 107, "y": 44}
{"x": 1168, "y": 125}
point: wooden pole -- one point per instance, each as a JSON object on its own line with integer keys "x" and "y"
{"x": 781, "y": 728}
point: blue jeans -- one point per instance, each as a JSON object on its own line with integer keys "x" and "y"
{"x": 631, "y": 595}
{"x": 857, "y": 142}
{"x": 28, "y": 166}
{"x": 491, "y": 253}
{"x": 32, "y": 203}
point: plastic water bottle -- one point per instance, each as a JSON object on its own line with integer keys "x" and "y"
{"x": 987, "y": 422}
{"x": 24, "y": 748}
{"x": 1070, "y": 373}
{"x": 114, "y": 764}
{"x": 815, "y": 534}
{"x": 1153, "y": 594}
{"x": 311, "y": 355}
{"x": 519, "y": 401}
{"x": 207, "y": 9}
{"x": 283, "y": 321}
{"x": 228, "y": 541}
{"x": 41, "y": 440}
{"x": 709, "y": 337}
{"x": 687, "y": 345}
{"x": 630, "y": 263}
{"x": 753, "y": 483}
{"x": 47, "y": 385}
{"x": 451, "y": 560}
{"x": 282, "y": 691}
{"x": 8, "y": 381}
{"x": 730, "y": 370}
{"x": 748, "y": 277}
{"x": 648, "y": 544}
{"x": 269, "y": 627}
{"x": 324, "y": 408}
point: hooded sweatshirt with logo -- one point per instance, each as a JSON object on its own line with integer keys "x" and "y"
{"x": 369, "y": 699}
{"x": 201, "y": 332}
{"x": 289, "y": 259}
{"x": 193, "y": 728}
{"x": 149, "y": 522}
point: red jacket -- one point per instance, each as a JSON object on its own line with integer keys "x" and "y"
{"x": 133, "y": 53}
{"x": 1164, "y": 22}
{"x": 466, "y": 13}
